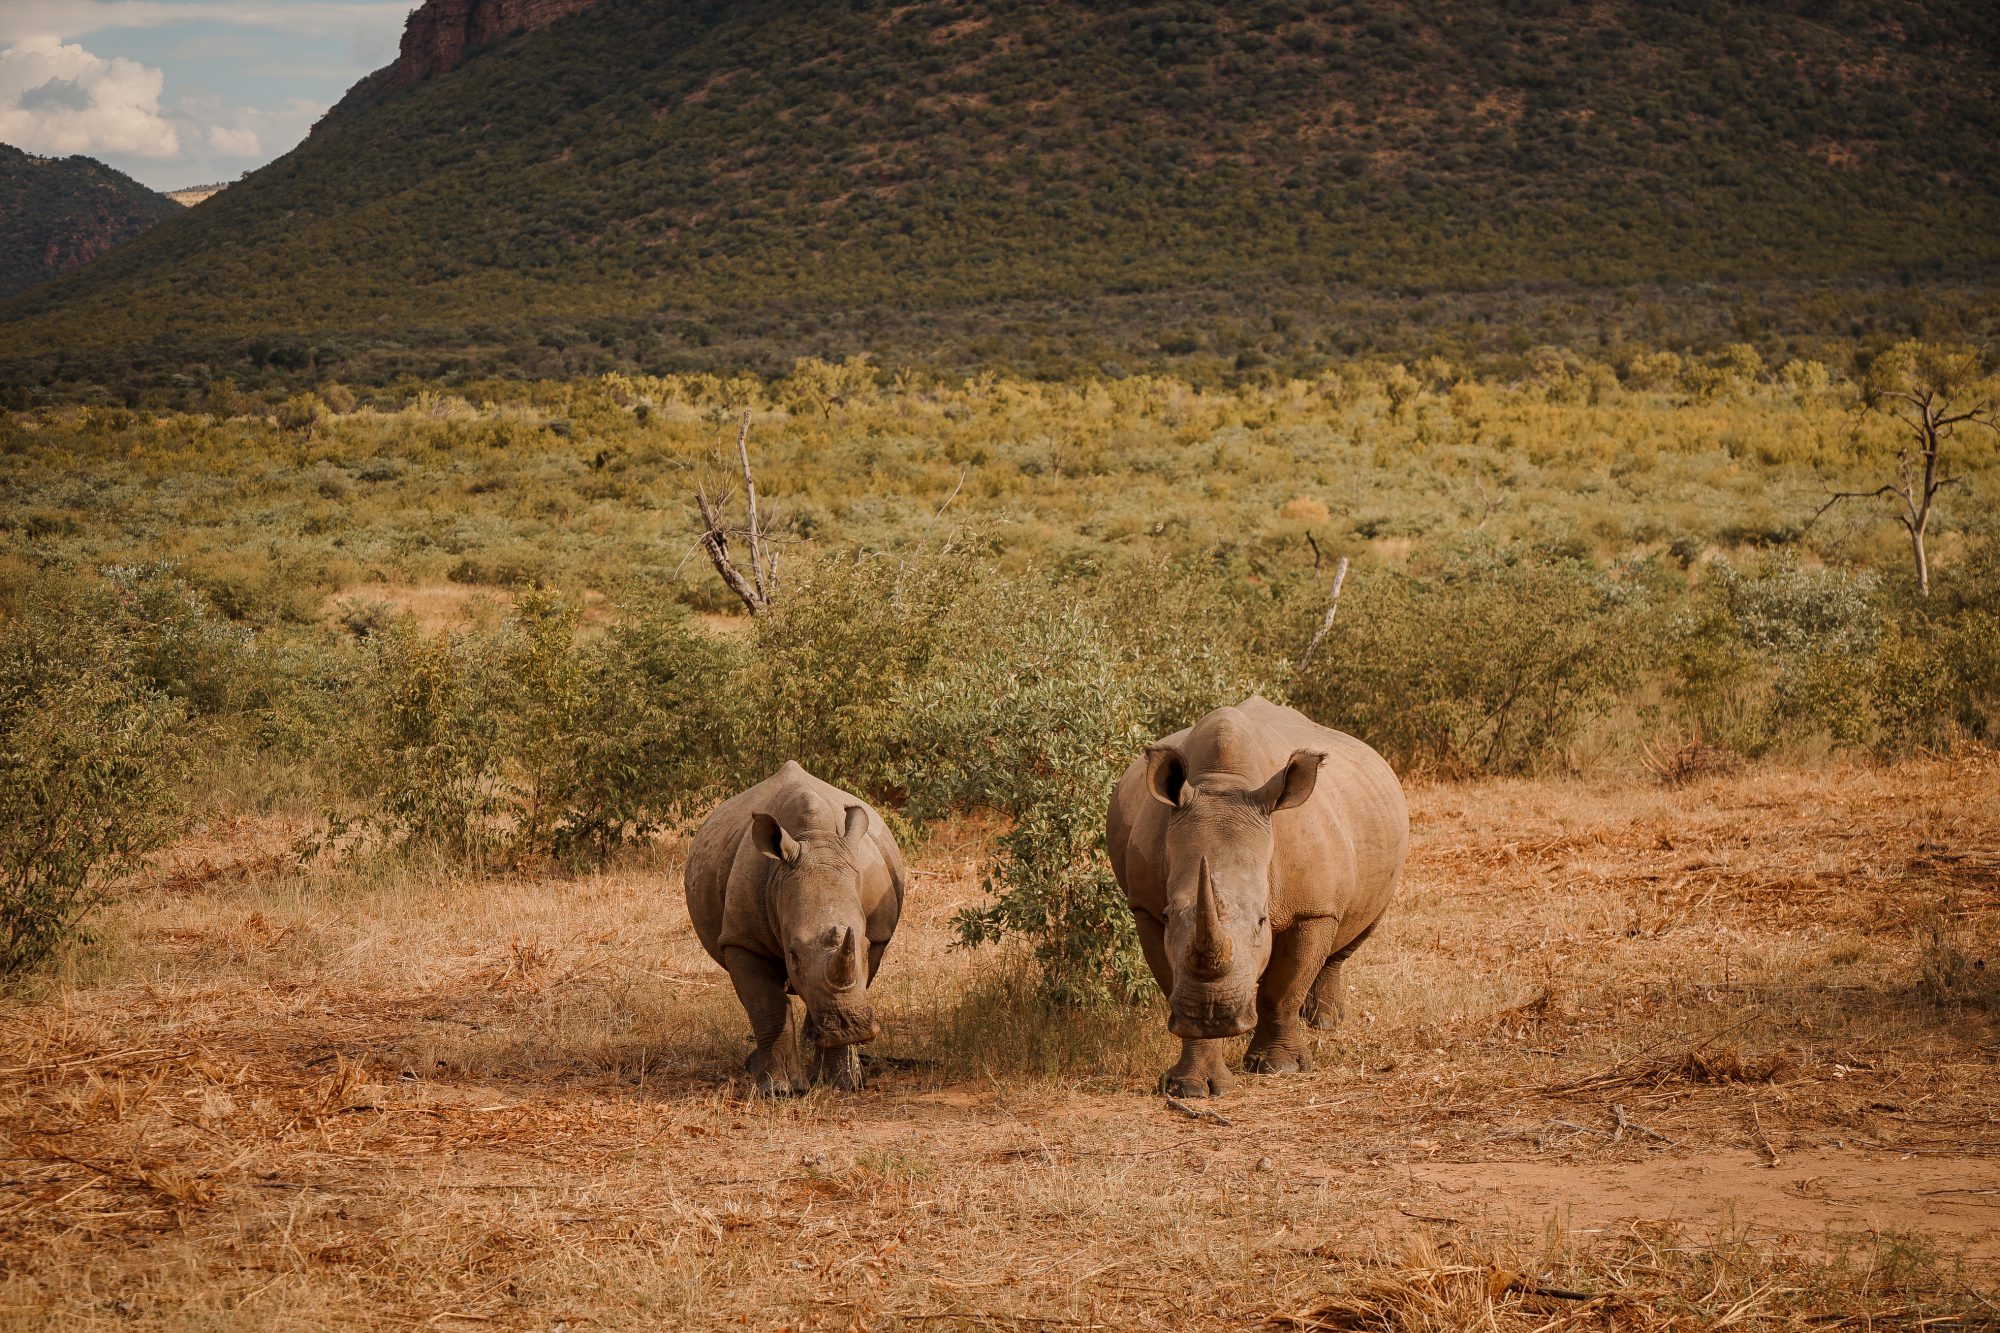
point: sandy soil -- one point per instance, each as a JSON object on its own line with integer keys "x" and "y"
{"x": 1668, "y": 1053}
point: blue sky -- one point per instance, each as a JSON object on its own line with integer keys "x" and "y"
{"x": 182, "y": 92}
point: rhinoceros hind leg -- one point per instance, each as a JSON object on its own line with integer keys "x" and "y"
{"x": 1278, "y": 1057}
{"x": 1324, "y": 1007}
{"x": 1202, "y": 1070}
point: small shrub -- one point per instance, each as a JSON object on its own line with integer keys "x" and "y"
{"x": 90, "y": 761}
{"x": 364, "y": 618}
{"x": 603, "y": 741}
{"x": 1050, "y": 696}
{"x": 179, "y": 645}
{"x": 1050, "y": 882}
{"x": 535, "y": 742}
{"x": 1781, "y": 653}
{"x": 302, "y": 414}
{"x": 847, "y": 641}
{"x": 426, "y": 751}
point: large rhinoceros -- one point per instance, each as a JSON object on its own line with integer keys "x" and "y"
{"x": 795, "y": 886}
{"x": 1257, "y": 850}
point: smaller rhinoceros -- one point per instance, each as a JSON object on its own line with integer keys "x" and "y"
{"x": 795, "y": 887}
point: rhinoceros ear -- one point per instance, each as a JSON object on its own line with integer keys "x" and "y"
{"x": 1293, "y": 784}
{"x": 857, "y": 825}
{"x": 769, "y": 838}
{"x": 1166, "y": 775}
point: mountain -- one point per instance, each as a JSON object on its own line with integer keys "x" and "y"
{"x": 59, "y": 212}
{"x": 662, "y": 182}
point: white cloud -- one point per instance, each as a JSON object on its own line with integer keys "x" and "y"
{"x": 232, "y": 142}
{"x": 60, "y": 99}
{"x": 64, "y": 19}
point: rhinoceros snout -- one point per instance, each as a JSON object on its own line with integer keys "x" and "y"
{"x": 844, "y": 1028}
{"x": 1206, "y": 1021}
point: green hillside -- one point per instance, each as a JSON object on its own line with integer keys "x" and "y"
{"x": 659, "y": 182}
{"x": 58, "y": 213}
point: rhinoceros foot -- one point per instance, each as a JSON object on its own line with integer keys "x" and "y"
{"x": 1202, "y": 1071}
{"x": 838, "y": 1067}
{"x": 1276, "y": 1059}
{"x": 767, "y": 1080}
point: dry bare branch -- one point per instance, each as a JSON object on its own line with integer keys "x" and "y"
{"x": 1326, "y": 621}
{"x": 756, "y": 591}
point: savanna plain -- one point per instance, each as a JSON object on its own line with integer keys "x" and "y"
{"x": 357, "y": 737}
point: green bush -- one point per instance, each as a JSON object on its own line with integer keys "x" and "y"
{"x": 179, "y": 645}
{"x": 1477, "y": 658}
{"x": 1049, "y": 691}
{"x": 425, "y": 755}
{"x": 1781, "y": 653}
{"x": 1039, "y": 726}
{"x": 605, "y": 740}
{"x": 90, "y": 765}
{"x": 536, "y": 741}
{"x": 849, "y": 638}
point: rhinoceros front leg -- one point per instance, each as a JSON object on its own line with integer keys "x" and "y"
{"x": 1297, "y": 955}
{"x": 760, "y": 985}
{"x": 839, "y": 1066}
{"x": 1203, "y": 1069}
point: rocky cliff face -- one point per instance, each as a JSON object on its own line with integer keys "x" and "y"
{"x": 439, "y": 36}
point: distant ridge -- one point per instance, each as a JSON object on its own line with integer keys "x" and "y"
{"x": 656, "y": 183}
{"x": 189, "y": 196}
{"x": 57, "y": 213}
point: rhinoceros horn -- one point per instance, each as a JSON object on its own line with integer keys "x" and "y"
{"x": 1210, "y": 946}
{"x": 842, "y": 973}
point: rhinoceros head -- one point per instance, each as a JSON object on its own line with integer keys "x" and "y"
{"x": 1219, "y": 844}
{"x": 818, "y": 919}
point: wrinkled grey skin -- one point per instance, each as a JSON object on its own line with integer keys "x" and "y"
{"x": 795, "y": 887}
{"x": 1257, "y": 850}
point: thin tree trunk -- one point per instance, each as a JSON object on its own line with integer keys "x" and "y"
{"x": 1326, "y": 621}
{"x": 750, "y": 499}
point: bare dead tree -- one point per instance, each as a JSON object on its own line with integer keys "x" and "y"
{"x": 1332, "y": 605}
{"x": 1921, "y": 388}
{"x": 761, "y": 585}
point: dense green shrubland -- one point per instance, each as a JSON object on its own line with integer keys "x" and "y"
{"x": 1059, "y": 185}
{"x": 1566, "y": 570}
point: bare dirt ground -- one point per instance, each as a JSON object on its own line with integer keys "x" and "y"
{"x": 1625, "y": 1056}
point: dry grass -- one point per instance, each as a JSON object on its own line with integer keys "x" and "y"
{"x": 1718, "y": 1054}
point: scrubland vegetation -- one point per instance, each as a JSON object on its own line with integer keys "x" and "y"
{"x": 1600, "y": 566}
{"x": 661, "y": 184}
{"x": 418, "y": 689}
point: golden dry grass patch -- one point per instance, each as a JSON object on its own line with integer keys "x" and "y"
{"x": 1667, "y": 1051}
